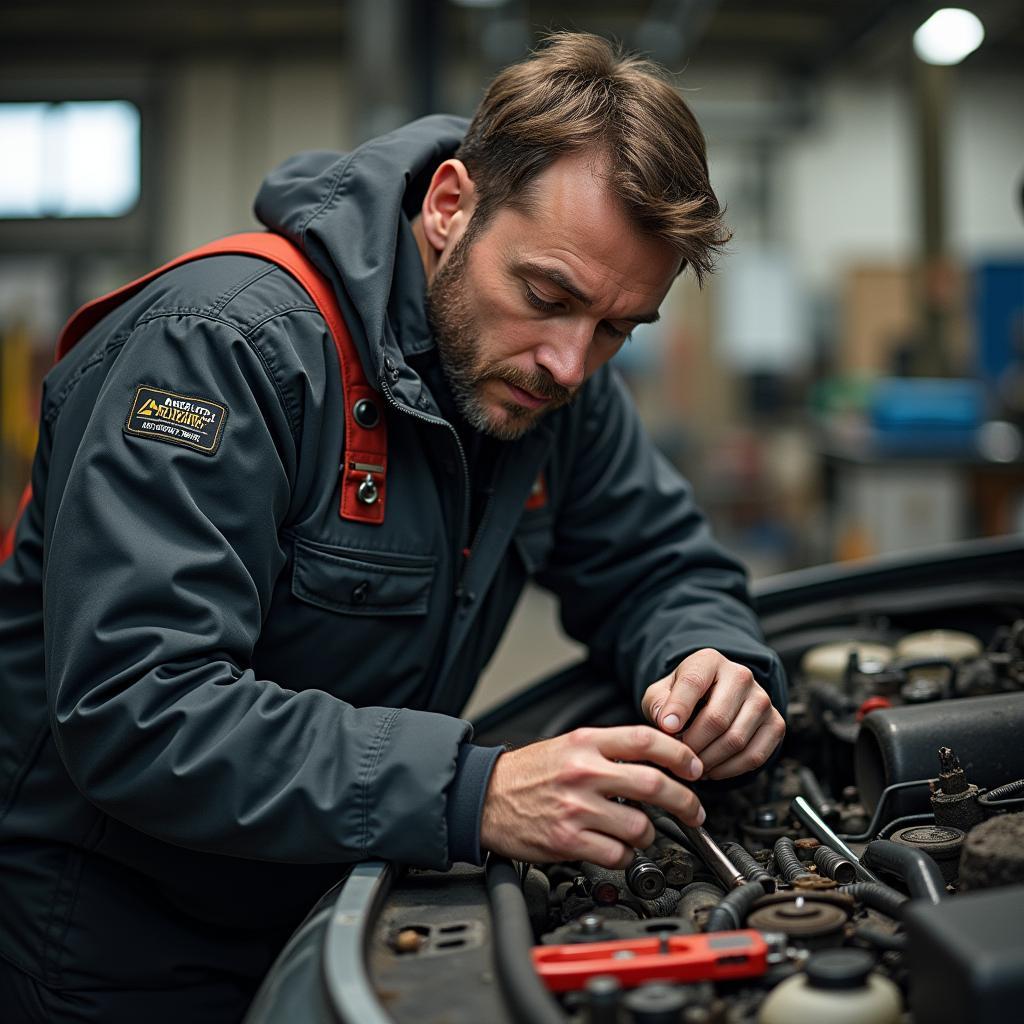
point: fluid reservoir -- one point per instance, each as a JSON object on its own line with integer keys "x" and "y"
{"x": 838, "y": 986}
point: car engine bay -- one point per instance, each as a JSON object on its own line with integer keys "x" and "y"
{"x": 873, "y": 873}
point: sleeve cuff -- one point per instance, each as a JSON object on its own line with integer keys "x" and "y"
{"x": 473, "y": 767}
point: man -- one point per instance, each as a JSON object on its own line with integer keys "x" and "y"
{"x": 216, "y": 691}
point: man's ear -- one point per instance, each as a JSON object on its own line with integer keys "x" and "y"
{"x": 447, "y": 206}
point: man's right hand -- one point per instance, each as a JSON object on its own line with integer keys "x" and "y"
{"x": 554, "y": 800}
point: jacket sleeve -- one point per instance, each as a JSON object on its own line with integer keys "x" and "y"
{"x": 160, "y": 568}
{"x": 640, "y": 578}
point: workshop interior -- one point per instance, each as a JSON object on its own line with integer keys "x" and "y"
{"x": 845, "y": 394}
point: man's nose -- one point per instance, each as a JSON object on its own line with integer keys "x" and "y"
{"x": 564, "y": 355}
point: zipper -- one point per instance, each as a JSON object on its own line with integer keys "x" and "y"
{"x": 461, "y": 537}
{"x": 437, "y": 660}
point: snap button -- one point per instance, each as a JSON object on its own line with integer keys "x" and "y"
{"x": 360, "y": 592}
{"x": 366, "y": 413}
{"x": 368, "y": 492}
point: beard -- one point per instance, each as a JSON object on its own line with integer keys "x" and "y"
{"x": 467, "y": 372}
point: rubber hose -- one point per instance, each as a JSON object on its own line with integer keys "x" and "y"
{"x": 890, "y": 827}
{"x": 834, "y": 865}
{"x": 885, "y": 941}
{"x": 664, "y": 906}
{"x": 529, "y": 1000}
{"x": 813, "y": 793}
{"x": 878, "y": 896}
{"x": 917, "y": 870}
{"x": 995, "y": 797}
{"x": 787, "y": 861}
{"x": 731, "y": 912}
{"x": 752, "y": 871}
{"x": 595, "y": 874}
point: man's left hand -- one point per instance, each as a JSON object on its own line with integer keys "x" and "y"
{"x": 736, "y": 728}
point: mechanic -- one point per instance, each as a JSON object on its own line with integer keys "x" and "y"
{"x": 216, "y": 692}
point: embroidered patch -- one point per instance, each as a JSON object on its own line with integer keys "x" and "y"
{"x": 180, "y": 419}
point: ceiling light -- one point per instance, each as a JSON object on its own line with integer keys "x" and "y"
{"x": 948, "y": 36}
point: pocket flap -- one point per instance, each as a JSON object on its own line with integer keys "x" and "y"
{"x": 363, "y": 582}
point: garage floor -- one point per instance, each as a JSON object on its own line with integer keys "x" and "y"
{"x": 533, "y": 647}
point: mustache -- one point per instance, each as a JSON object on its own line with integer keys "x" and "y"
{"x": 539, "y": 384}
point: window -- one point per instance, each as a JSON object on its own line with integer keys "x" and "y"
{"x": 69, "y": 159}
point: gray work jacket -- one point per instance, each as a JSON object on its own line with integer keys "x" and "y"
{"x": 212, "y": 685}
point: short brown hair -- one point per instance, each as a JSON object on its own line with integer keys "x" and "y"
{"x": 580, "y": 92}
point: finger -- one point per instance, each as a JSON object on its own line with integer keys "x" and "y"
{"x": 598, "y": 848}
{"x": 650, "y": 786}
{"x": 760, "y": 748}
{"x": 734, "y": 686}
{"x": 642, "y": 743}
{"x": 690, "y": 681}
{"x": 736, "y": 738}
{"x": 655, "y": 696}
{"x": 620, "y": 821}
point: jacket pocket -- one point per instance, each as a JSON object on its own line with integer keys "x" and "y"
{"x": 362, "y": 582}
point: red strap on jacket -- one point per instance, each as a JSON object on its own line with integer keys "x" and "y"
{"x": 364, "y": 467}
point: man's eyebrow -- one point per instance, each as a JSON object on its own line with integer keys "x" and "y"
{"x": 561, "y": 280}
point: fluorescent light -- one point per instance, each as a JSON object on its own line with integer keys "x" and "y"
{"x": 948, "y": 36}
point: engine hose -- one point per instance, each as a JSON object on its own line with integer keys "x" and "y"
{"x": 752, "y": 871}
{"x": 887, "y": 830}
{"x": 1004, "y": 797}
{"x": 664, "y": 906}
{"x": 834, "y": 865}
{"x": 529, "y": 1000}
{"x": 731, "y": 912}
{"x": 914, "y": 867}
{"x": 787, "y": 861}
{"x": 878, "y": 896}
{"x": 607, "y": 886}
{"x": 813, "y": 793}
{"x": 885, "y": 941}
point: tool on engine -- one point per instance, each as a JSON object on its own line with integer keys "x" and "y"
{"x": 713, "y": 856}
{"x": 713, "y": 956}
{"x": 699, "y": 840}
{"x": 752, "y": 871}
{"x": 806, "y": 815}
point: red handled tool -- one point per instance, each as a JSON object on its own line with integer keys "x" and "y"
{"x": 716, "y": 956}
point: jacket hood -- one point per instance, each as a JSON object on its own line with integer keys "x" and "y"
{"x": 350, "y": 213}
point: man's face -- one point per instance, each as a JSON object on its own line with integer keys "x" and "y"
{"x": 531, "y": 305}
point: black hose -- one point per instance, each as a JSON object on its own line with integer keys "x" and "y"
{"x": 664, "y": 906}
{"x": 890, "y": 827}
{"x": 878, "y": 896}
{"x": 787, "y": 861}
{"x": 834, "y": 865}
{"x": 916, "y": 869}
{"x": 814, "y": 794}
{"x": 731, "y": 912}
{"x": 528, "y": 999}
{"x": 752, "y": 871}
{"x": 876, "y": 818}
{"x": 886, "y": 941}
{"x": 1004, "y": 797}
